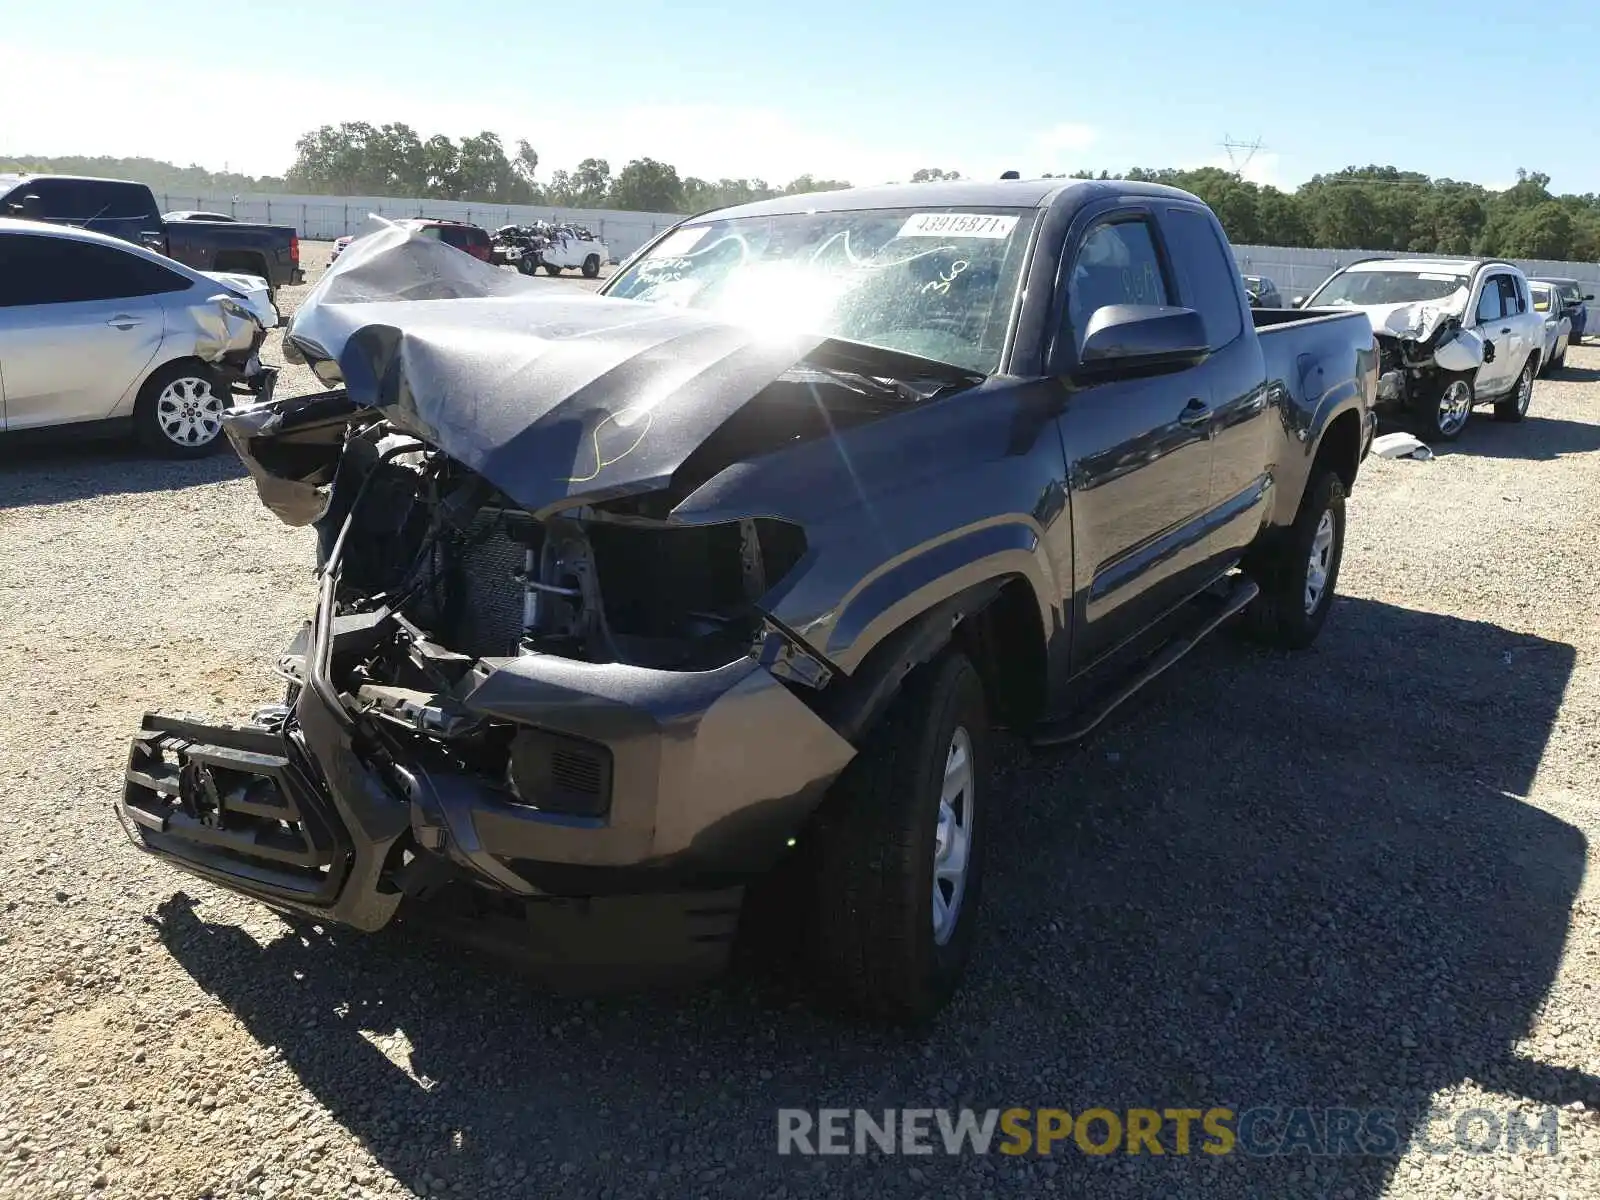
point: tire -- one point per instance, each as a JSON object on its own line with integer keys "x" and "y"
{"x": 591, "y": 266}
{"x": 1447, "y": 415}
{"x": 179, "y": 411}
{"x": 874, "y": 938}
{"x": 551, "y": 269}
{"x": 527, "y": 265}
{"x": 1286, "y": 614}
{"x": 1515, "y": 407}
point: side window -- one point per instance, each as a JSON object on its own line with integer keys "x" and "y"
{"x": 454, "y": 235}
{"x": 1511, "y": 295}
{"x": 1206, "y": 271}
{"x": 127, "y": 200}
{"x": 1116, "y": 264}
{"x": 1490, "y": 306}
{"x": 45, "y": 270}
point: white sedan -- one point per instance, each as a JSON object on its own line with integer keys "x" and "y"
{"x": 97, "y": 332}
{"x": 1549, "y": 304}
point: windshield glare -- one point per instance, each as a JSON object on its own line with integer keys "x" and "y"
{"x": 1389, "y": 287}
{"x": 939, "y": 284}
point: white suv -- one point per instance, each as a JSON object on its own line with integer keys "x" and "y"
{"x": 1477, "y": 316}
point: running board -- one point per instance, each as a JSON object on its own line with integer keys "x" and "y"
{"x": 1080, "y": 725}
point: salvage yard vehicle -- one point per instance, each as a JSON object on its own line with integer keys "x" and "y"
{"x": 1263, "y": 293}
{"x": 96, "y": 333}
{"x": 1451, "y": 334}
{"x": 646, "y": 612}
{"x": 1576, "y": 297}
{"x": 128, "y": 211}
{"x": 573, "y": 246}
{"x": 1547, "y": 302}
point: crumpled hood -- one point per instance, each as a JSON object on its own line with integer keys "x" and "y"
{"x": 554, "y": 395}
{"x": 1414, "y": 320}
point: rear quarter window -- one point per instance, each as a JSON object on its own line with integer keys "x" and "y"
{"x": 1206, "y": 274}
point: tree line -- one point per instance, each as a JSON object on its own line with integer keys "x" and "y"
{"x": 1369, "y": 208}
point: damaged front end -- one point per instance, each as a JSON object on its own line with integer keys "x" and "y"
{"x": 1423, "y": 351}
{"x": 526, "y": 675}
{"x": 229, "y": 328}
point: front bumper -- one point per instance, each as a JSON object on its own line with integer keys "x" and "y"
{"x": 326, "y": 813}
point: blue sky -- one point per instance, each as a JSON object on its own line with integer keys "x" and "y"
{"x": 863, "y": 91}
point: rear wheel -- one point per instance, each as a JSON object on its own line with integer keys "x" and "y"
{"x": 898, "y": 848}
{"x": 1515, "y": 406}
{"x": 1297, "y": 573}
{"x": 179, "y": 411}
{"x": 591, "y": 266}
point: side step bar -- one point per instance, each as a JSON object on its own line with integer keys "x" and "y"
{"x": 1080, "y": 725}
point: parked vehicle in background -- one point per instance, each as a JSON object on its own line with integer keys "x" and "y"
{"x": 97, "y": 332}
{"x": 1547, "y": 302}
{"x": 520, "y": 246}
{"x": 1576, "y": 297}
{"x": 602, "y": 649}
{"x": 339, "y": 245}
{"x": 1262, "y": 291}
{"x": 184, "y": 214}
{"x": 126, "y": 210}
{"x": 1452, "y": 334}
{"x": 573, "y": 246}
{"x": 463, "y": 235}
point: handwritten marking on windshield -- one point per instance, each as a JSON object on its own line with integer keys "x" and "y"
{"x": 942, "y": 284}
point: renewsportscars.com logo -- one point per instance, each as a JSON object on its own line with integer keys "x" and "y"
{"x": 1253, "y": 1132}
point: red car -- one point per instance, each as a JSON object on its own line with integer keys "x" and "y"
{"x": 463, "y": 235}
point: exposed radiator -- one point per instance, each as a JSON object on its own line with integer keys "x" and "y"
{"x": 481, "y": 609}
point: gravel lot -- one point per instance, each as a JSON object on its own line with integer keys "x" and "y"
{"x": 1353, "y": 878}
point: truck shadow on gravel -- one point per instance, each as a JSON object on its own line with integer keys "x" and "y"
{"x": 1272, "y": 881}
{"x": 59, "y": 472}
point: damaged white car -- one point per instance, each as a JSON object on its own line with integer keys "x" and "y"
{"x": 102, "y": 335}
{"x": 1451, "y": 334}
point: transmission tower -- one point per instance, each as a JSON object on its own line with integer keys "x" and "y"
{"x": 1237, "y": 148}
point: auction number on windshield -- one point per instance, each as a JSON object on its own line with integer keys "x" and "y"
{"x": 971, "y": 225}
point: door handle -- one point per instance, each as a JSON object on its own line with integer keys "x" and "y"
{"x": 1195, "y": 413}
{"x": 1505, "y": 329}
{"x": 124, "y": 322}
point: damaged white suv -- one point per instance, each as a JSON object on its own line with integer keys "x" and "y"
{"x": 1451, "y": 334}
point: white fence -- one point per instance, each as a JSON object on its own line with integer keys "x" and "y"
{"x": 328, "y": 217}
{"x": 1297, "y": 271}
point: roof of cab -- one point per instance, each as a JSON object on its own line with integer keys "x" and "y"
{"x": 986, "y": 193}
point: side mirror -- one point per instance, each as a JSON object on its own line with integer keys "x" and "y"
{"x": 1297, "y": 302}
{"x": 1588, "y": 295}
{"x": 1132, "y": 338}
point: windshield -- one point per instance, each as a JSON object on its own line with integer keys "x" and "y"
{"x": 1570, "y": 292}
{"x": 1389, "y": 287}
{"x": 1541, "y": 298}
{"x": 939, "y": 284}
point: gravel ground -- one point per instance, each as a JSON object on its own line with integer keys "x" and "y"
{"x": 1351, "y": 878}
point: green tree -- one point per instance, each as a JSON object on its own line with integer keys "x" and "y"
{"x": 932, "y": 174}
{"x": 645, "y": 185}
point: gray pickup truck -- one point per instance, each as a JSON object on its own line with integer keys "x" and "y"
{"x": 644, "y": 614}
{"x": 123, "y": 209}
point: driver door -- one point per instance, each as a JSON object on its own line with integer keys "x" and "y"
{"x": 1138, "y": 450}
{"x": 1492, "y": 323}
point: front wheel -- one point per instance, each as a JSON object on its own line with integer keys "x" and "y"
{"x": 1447, "y": 416}
{"x": 1515, "y": 406}
{"x": 898, "y": 850}
{"x": 551, "y": 269}
{"x": 1298, "y": 571}
{"x": 591, "y": 266}
{"x": 179, "y": 411}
